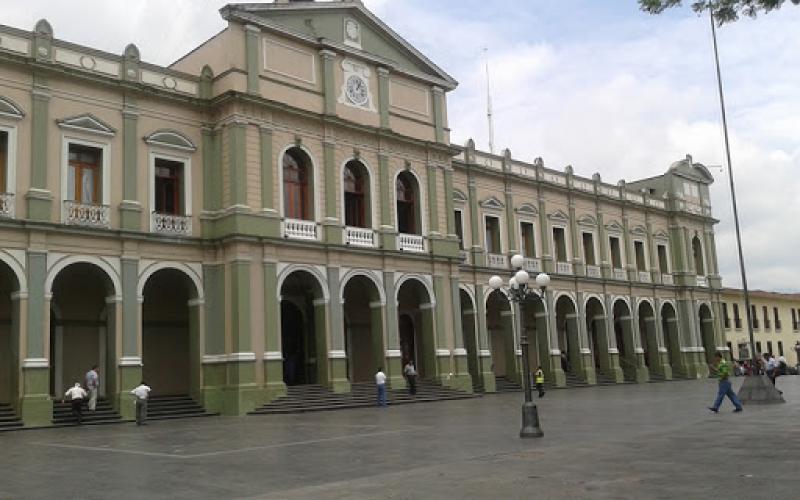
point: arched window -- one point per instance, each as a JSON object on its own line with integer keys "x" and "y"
{"x": 356, "y": 195}
{"x": 697, "y": 251}
{"x": 296, "y": 196}
{"x": 407, "y": 204}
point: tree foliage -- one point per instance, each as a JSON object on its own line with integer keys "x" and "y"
{"x": 725, "y": 11}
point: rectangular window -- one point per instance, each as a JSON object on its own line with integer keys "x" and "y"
{"x": 780, "y": 348}
{"x": 493, "y": 235}
{"x": 794, "y": 320}
{"x": 758, "y": 347}
{"x": 588, "y": 249}
{"x": 777, "y": 318}
{"x": 726, "y": 319}
{"x": 769, "y": 347}
{"x": 560, "y": 242}
{"x": 459, "y": 229}
{"x": 737, "y": 319}
{"x": 766, "y": 317}
{"x": 730, "y": 347}
{"x": 4, "y": 147}
{"x": 169, "y": 187}
{"x": 83, "y": 184}
{"x": 641, "y": 262}
{"x": 662, "y": 259}
{"x": 528, "y": 240}
{"x": 616, "y": 252}
{"x": 754, "y": 316}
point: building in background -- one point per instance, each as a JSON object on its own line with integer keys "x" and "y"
{"x": 283, "y": 206}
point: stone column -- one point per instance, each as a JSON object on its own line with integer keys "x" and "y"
{"x": 602, "y": 236}
{"x": 383, "y": 96}
{"x": 393, "y": 370}
{"x": 39, "y": 197}
{"x": 196, "y": 336}
{"x": 212, "y": 173}
{"x": 129, "y": 371}
{"x": 613, "y": 348}
{"x": 577, "y": 255}
{"x": 274, "y": 385}
{"x": 558, "y": 376}
{"x": 237, "y": 165}
{"x": 442, "y": 316}
{"x": 337, "y": 357}
{"x": 326, "y": 356}
{"x": 35, "y": 407}
{"x": 437, "y": 94}
{"x": 213, "y": 357}
{"x": 328, "y": 81}
{"x": 548, "y": 260}
{"x": 388, "y": 232}
{"x": 511, "y": 220}
{"x": 587, "y": 354}
{"x": 478, "y": 253}
{"x": 241, "y": 394}
{"x": 252, "y": 47}
{"x": 663, "y": 353}
{"x": 461, "y": 379}
{"x": 630, "y": 329}
{"x": 484, "y": 354}
{"x": 130, "y": 209}
{"x": 433, "y": 203}
{"x": 331, "y": 226}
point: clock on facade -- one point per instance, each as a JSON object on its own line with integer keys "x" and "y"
{"x": 356, "y": 90}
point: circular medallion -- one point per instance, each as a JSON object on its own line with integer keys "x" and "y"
{"x": 351, "y": 30}
{"x": 356, "y": 90}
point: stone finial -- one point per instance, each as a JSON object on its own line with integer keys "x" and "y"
{"x": 596, "y": 177}
{"x": 206, "y": 82}
{"x": 470, "y": 144}
{"x": 538, "y": 162}
{"x": 132, "y": 52}
{"x": 689, "y": 159}
{"x": 507, "y": 154}
{"x": 621, "y": 183}
{"x": 43, "y": 28}
{"x": 569, "y": 170}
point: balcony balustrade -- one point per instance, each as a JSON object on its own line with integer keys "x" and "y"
{"x": 667, "y": 279}
{"x": 300, "y": 229}
{"x": 564, "y": 268}
{"x": 645, "y": 277}
{"x": 85, "y": 214}
{"x": 497, "y": 261}
{"x": 532, "y": 265}
{"x": 593, "y": 272}
{"x": 620, "y": 274}
{"x": 702, "y": 281}
{"x": 174, "y": 225}
{"x": 411, "y": 243}
{"x": 359, "y": 237}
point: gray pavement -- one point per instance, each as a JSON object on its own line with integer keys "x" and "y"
{"x": 633, "y": 441}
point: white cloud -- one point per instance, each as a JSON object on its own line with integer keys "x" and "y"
{"x": 625, "y": 102}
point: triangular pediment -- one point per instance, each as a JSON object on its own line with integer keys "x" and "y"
{"x": 639, "y": 231}
{"x": 87, "y": 123}
{"x": 492, "y": 203}
{"x": 343, "y": 25}
{"x": 10, "y": 110}
{"x": 170, "y": 139}
{"x": 559, "y": 216}
{"x": 661, "y": 235}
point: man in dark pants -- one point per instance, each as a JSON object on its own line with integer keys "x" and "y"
{"x": 142, "y": 392}
{"x": 725, "y": 389}
{"x": 411, "y": 377}
{"x": 76, "y": 396}
{"x": 539, "y": 381}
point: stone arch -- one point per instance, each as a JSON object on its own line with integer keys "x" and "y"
{"x": 366, "y": 273}
{"x": 184, "y": 268}
{"x": 66, "y": 261}
{"x": 595, "y": 296}
{"x": 424, "y": 280}
{"x": 322, "y": 280}
{"x": 416, "y": 324}
{"x": 17, "y": 266}
{"x": 10, "y": 109}
{"x": 568, "y": 333}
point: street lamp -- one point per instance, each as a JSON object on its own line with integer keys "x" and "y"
{"x": 518, "y": 292}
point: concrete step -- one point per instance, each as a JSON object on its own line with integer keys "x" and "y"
{"x": 8, "y": 418}
{"x": 175, "y": 406}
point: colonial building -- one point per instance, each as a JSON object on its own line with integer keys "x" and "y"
{"x": 283, "y": 206}
{"x": 776, "y": 323}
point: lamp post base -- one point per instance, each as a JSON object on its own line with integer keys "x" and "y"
{"x": 757, "y": 389}
{"x": 530, "y": 422}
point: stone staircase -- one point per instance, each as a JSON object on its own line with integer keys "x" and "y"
{"x": 104, "y": 414}
{"x": 175, "y": 406}
{"x": 503, "y": 384}
{"x": 8, "y": 418}
{"x": 307, "y": 398}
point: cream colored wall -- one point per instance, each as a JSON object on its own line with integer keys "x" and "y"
{"x": 224, "y": 51}
{"x": 787, "y": 335}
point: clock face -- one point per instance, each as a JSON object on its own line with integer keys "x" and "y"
{"x": 357, "y": 91}
{"x": 351, "y": 30}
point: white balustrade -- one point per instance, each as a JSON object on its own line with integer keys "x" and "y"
{"x": 563, "y": 268}
{"x": 84, "y": 214}
{"x": 7, "y": 205}
{"x": 411, "y": 242}
{"x": 667, "y": 279}
{"x": 620, "y": 274}
{"x": 702, "y": 281}
{"x": 497, "y": 261}
{"x": 532, "y": 265}
{"x": 175, "y": 225}
{"x": 593, "y": 272}
{"x": 644, "y": 277}
{"x": 359, "y": 236}
{"x": 300, "y": 229}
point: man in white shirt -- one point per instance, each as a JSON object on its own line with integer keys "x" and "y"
{"x": 92, "y": 381}
{"x": 141, "y": 392}
{"x": 380, "y": 383}
{"x": 76, "y": 396}
{"x": 772, "y": 366}
{"x": 411, "y": 377}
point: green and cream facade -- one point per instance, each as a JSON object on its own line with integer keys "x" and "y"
{"x": 283, "y": 206}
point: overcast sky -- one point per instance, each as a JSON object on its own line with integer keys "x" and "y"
{"x": 598, "y": 85}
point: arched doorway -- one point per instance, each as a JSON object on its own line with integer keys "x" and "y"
{"x": 568, "y": 336}
{"x": 648, "y": 335}
{"x": 538, "y": 341}
{"x": 170, "y": 343}
{"x": 626, "y": 345}
{"x": 707, "y": 332}
{"x": 363, "y": 329}
{"x": 502, "y": 344}
{"x": 415, "y": 327}
{"x": 303, "y": 332}
{"x": 598, "y": 337}
{"x": 672, "y": 341}
{"x": 82, "y": 328}
{"x": 470, "y": 340}
{"x": 9, "y": 337}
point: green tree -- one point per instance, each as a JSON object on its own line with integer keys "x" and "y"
{"x": 725, "y": 11}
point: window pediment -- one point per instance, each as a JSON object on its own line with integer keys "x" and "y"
{"x": 615, "y": 227}
{"x": 9, "y": 109}
{"x": 587, "y": 220}
{"x": 559, "y": 216}
{"x": 87, "y": 123}
{"x": 459, "y": 196}
{"x": 527, "y": 209}
{"x": 170, "y": 139}
{"x": 639, "y": 231}
{"x": 661, "y": 235}
{"x": 492, "y": 203}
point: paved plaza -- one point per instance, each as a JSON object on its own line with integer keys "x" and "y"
{"x": 632, "y": 441}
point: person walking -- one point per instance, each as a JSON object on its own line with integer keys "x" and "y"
{"x": 724, "y": 389}
{"x": 772, "y": 367}
{"x": 411, "y": 376}
{"x": 539, "y": 379}
{"x": 380, "y": 383}
{"x": 141, "y": 392}
{"x": 92, "y": 380}
{"x": 76, "y": 396}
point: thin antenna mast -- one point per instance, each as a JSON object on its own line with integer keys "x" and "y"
{"x": 489, "y": 103}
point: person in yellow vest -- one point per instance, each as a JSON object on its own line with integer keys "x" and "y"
{"x": 539, "y": 379}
